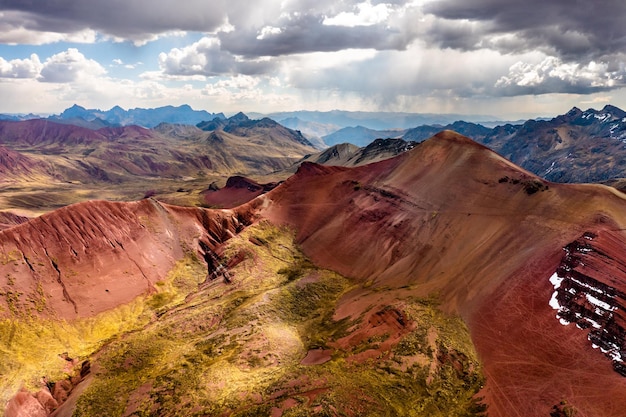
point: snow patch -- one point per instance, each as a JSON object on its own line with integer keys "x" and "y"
{"x": 602, "y": 117}
{"x": 599, "y": 303}
{"x": 556, "y": 281}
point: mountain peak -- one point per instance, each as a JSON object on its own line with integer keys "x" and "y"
{"x": 239, "y": 117}
{"x": 452, "y": 136}
{"x": 615, "y": 111}
{"x": 75, "y": 111}
{"x": 574, "y": 112}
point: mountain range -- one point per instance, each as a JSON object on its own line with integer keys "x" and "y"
{"x": 46, "y": 165}
{"x": 373, "y": 120}
{"x": 443, "y": 281}
{"x": 577, "y": 147}
{"x": 148, "y": 118}
{"x": 118, "y": 152}
{"x": 313, "y": 124}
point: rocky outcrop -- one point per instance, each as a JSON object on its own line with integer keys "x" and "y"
{"x": 238, "y": 190}
{"x": 589, "y": 291}
{"x": 52, "y": 394}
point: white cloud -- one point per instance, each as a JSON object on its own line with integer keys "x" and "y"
{"x": 70, "y": 66}
{"x": 20, "y": 68}
{"x": 206, "y": 58}
{"x": 268, "y": 31}
{"x": 147, "y": 38}
{"x": 202, "y": 56}
{"x": 554, "y": 75}
{"x": 247, "y": 93}
{"x": 365, "y": 15}
{"x": 162, "y": 76}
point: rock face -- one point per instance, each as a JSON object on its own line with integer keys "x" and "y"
{"x": 360, "y": 136}
{"x": 138, "y": 116}
{"x": 241, "y": 125}
{"x": 15, "y": 165}
{"x": 576, "y": 147}
{"x": 9, "y": 219}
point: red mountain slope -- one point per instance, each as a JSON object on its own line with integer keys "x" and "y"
{"x": 94, "y": 256}
{"x": 15, "y": 165}
{"x": 453, "y": 219}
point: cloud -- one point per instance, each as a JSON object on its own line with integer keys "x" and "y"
{"x": 69, "y": 66}
{"x": 20, "y": 68}
{"x": 301, "y": 33}
{"x": 581, "y": 43}
{"x": 300, "y": 25}
{"x": 135, "y": 20}
{"x": 372, "y": 52}
{"x": 18, "y": 27}
{"x": 581, "y": 30}
{"x": 237, "y": 92}
{"x": 365, "y": 14}
{"x": 385, "y": 76}
{"x": 553, "y": 75}
{"x": 207, "y": 58}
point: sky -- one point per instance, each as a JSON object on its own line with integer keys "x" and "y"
{"x": 500, "y": 58}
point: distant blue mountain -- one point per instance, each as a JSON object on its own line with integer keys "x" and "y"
{"x": 360, "y": 136}
{"x": 142, "y": 117}
{"x": 18, "y": 117}
{"x": 373, "y": 120}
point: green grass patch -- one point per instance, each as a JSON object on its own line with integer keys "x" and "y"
{"x": 30, "y": 347}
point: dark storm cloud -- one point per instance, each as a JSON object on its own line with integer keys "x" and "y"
{"x": 308, "y": 33}
{"x": 569, "y": 29}
{"x": 135, "y": 20}
{"x": 301, "y": 21}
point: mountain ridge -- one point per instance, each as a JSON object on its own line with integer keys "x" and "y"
{"x": 451, "y": 241}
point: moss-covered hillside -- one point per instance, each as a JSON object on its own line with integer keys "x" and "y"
{"x": 264, "y": 343}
